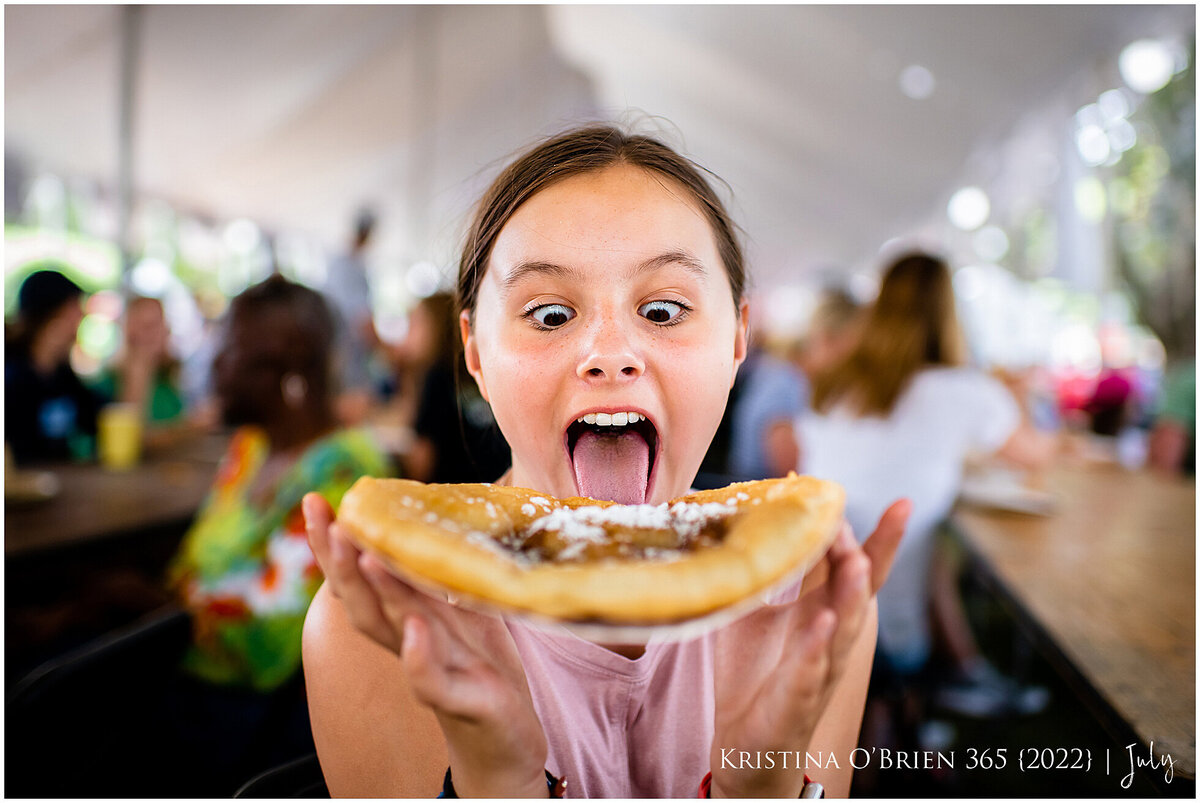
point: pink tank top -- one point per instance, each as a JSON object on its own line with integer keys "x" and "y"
{"x": 625, "y": 728}
{"x": 621, "y": 728}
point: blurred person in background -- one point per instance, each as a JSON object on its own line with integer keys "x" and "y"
{"x": 757, "y": 435}
{"x": 1110, "y": 407}
{"x": 897, "y": 417}
{"x": 756, "y": 438}
{"x": 147, "y": 374}
{"x": 349, "y": 294}
{"x": 1172, "y": 444}
{"x": 244, "y": 570}
{"x": 832, "y": 332}
{"x": 426, "y": 339}
{"x": 457, "y": 439}
{"x": 49, "y": 414}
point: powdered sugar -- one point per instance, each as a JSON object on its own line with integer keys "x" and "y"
{"x": 588, "y": 523}
{"x": 507, "y": 547}
{"x": 690, "y": 518}
{"x": 578, "y": 531}
{"x": 571, "y": 526}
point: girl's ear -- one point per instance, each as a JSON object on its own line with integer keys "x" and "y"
{"x": 741, "y": 339}
{"x": 471, "y": 352}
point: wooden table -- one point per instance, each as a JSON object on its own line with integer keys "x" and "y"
{"x": 1107, "y": 586}
{"x": 94, "y": 503}
{"x": 91, "y": 559}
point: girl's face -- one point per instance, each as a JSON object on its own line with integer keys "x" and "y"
{"x": 605, "y": 295}
{"x": 146, "y": 328}
{"x": 63, "y": 328}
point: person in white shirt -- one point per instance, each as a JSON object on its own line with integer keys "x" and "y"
{"x": 898, "y": 417}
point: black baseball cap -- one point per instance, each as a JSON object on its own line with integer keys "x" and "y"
{"x": 43, "y": 292}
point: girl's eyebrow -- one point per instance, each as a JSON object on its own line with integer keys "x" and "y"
{"x": 681, "y": 258}
{"x": 525, "y": 269}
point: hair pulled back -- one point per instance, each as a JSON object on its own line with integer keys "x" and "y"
{"x": 584, "y": 150}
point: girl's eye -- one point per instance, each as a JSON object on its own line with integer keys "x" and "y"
{"x": 551, "y": 316}
{"x": 664, "y": 312}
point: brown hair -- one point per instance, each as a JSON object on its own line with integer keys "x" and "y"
{"x": 310, "y": 323}
{"x": 911, "y": 325}
{"x": 579, "y": 151}
{"x": 444, "y": 322}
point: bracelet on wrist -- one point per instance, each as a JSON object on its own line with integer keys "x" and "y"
{"x": 555, "y": 786}
{"x": 811, "y": 791}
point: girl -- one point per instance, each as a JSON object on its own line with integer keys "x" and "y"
{"x": 146, "y": 374}
{"x": 601, "y": 274}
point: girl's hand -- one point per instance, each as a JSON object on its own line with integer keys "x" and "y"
{"x": 776, "y": 669}
{"x": 463, "y": 665}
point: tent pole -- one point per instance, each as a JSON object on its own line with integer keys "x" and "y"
{"x": 130, "y": 40}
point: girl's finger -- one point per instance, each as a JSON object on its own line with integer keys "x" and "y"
{"x": 844, "y": 553}
{"x": 804, "y": 670}
{"x": 850, "y": 595}
{"x": 769, "y": 629}
{"x": 467, "y": 692}
{"x": 317, "y": 517}
{"x": 844, "y": 542}
{"x": 818, "y": 574}
{"x": 427, "y": 676}
{"x": 359, "y": 599}
{"x": 394, "y": 600}
{"x": 399, "y": 602}
{"x": 457, "y": 634}
{"x": 882, "y": 545}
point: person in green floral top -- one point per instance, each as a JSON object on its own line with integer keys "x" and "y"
{"x": 244, "y": 570}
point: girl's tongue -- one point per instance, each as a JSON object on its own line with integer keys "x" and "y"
{"x": 612, "y": 467}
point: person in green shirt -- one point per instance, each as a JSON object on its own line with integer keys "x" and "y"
{"x": 145, "y": 373}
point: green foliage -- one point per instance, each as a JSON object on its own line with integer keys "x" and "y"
{"x": 1153, "y": 198}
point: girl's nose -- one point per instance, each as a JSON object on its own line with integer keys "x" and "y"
{"x": 610, "y": 354}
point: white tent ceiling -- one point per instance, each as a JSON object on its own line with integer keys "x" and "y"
{"x": 296, "y": 115}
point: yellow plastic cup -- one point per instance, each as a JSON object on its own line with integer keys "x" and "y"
{"x": 119, "y": 436}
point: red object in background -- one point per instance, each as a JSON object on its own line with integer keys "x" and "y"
{"x": 1113, "y": 389}
{"x": 1073, "y": 389}
{"x": 1109, "y": 406}
{"x": 227, "y": 608}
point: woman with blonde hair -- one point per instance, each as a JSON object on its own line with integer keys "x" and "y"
{"x": 897, "y": 418}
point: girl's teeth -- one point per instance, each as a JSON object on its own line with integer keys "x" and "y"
{"x": 610, "y": 419}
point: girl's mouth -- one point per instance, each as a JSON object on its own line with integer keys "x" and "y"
{"x": 612, "y": 456}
